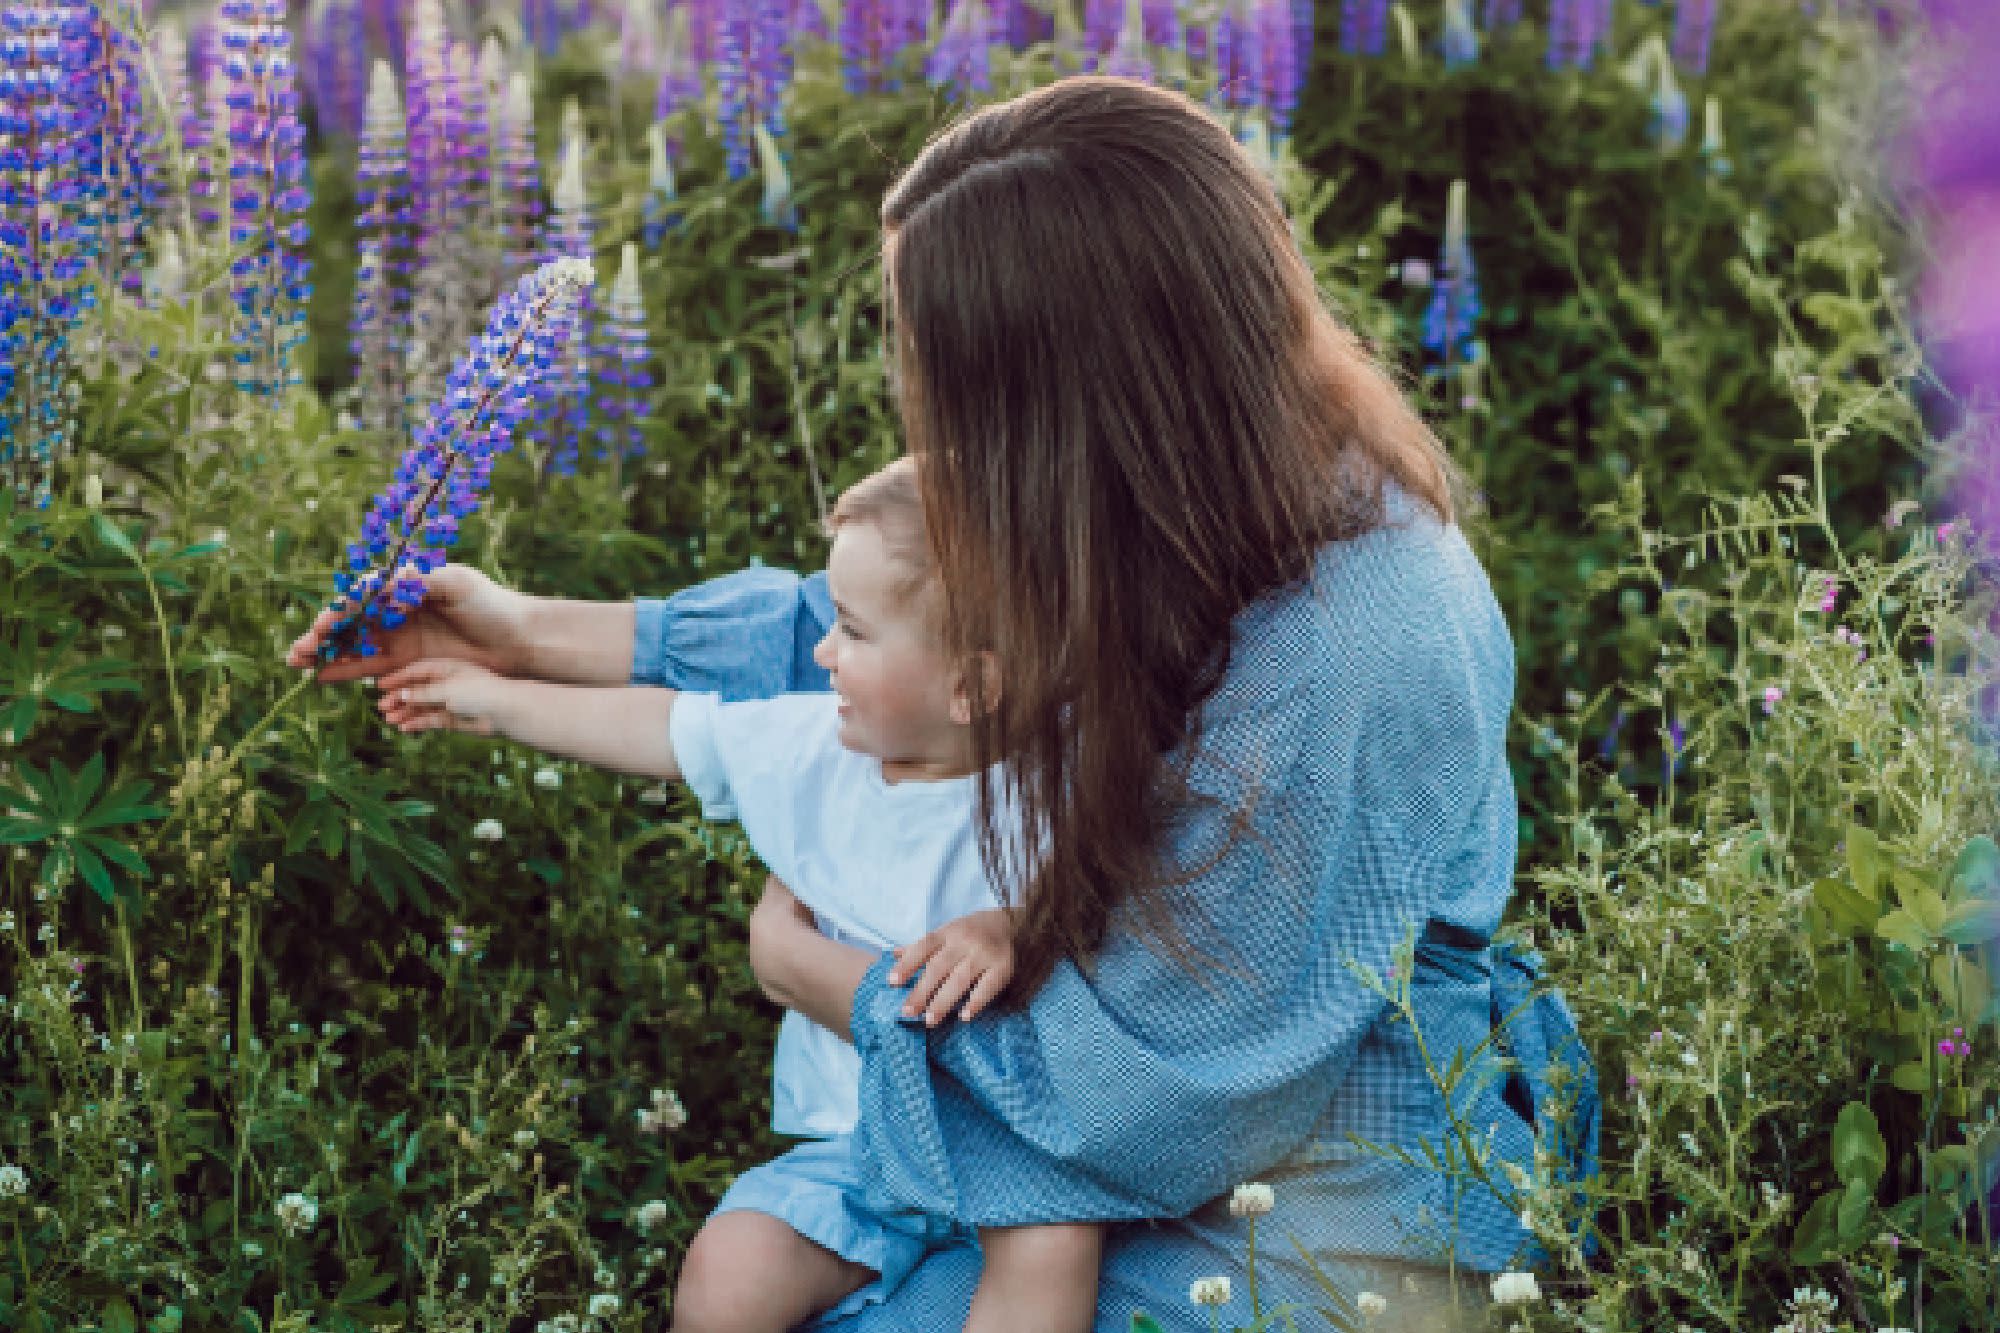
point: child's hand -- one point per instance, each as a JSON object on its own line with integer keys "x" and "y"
{"x": 444, "y": 692}
{"x": 973, "y": 954}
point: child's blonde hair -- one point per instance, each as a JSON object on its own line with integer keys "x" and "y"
{"x": 891, "y": 501}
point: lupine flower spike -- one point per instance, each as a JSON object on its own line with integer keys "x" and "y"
{"x": 1451, "y": 322}
{"x": 1577, "y": 29}
{"x": 1670, "y": 110}
{"x": 622, "y": 358}
{"x": 48, "y": 121}
{"x": 381, "y": 293}
{"x": 520, "y": 176}
{"x": 415, "y": 521}
{"x": 1496, "y": 14}
{"x": 659, "y": 212}
{"x": 962, "y": 61}
{"x": 267, "y": 195}
{"x": 1364, "y": 27}
{"x": 560, "y": 416}
{"x": 1127, "y": 58}
{"x": 1461, "y": 39}
{"x": 1694, "y": 30}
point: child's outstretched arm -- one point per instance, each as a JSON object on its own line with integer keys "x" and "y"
{"x": 623, "y": 728}
{"x": 966, "y": 964}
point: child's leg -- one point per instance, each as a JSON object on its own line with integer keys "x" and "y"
{"x": 1040, "y": 1277}
{"x": 748, "y": 1272}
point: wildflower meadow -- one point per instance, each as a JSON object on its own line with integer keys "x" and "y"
{"x": 308, "y": 1025}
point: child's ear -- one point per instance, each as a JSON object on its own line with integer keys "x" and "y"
{"x": 984, "y": 670}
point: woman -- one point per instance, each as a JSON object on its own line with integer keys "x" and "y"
{"x": 1252, "y": 721}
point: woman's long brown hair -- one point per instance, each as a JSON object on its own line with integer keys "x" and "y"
{"x": 1136, "y": 418}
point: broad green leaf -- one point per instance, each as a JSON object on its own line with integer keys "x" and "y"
{"x": 1899, "y": 927}
{"x": 1864, "y": 861}
{"x": 1852, "y": 1214}
{"x": 1922, "y": 902}
{"x": 1977, "y": 870}
{"x": 1859, "y": 1154}
{"x": 1847, "y": 910}
{"x": 1963, "y": 985}
{"x": 1911, "y": 1076}
{"x": 1814, "y": 1240}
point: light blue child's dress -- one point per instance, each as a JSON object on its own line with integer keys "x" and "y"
{"x": 1367, "y": 715}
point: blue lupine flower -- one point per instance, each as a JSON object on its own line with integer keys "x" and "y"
{"x": 51, "y": 194}
{"x": 1364, "y": 27}
{"x": 1670, "y": 111}
{"x": 734, "y": 95}
{"x": 267, "y": 195}
{"x": 1500, "y": 13}
{"x": 962, "y": 61}
{"x": 438, "y": 484}
{"x": 623, "y": 356}
{"x": 1450, "y": 324}
{"x": 1577, "y": 28}
{"x": 1694, "y": 29}
{"x": 1126, "y": 56}
{"x": 560, "y": 418}
{"x": 1461, "y": 39}
{"x": 519, "y": 177}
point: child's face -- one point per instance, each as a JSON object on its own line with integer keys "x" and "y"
{"x": 896, "y": 688}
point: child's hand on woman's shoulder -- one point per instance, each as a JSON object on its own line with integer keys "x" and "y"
{"x": 969, "y": 960}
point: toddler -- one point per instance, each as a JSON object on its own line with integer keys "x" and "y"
{"x": 861, "y": 801}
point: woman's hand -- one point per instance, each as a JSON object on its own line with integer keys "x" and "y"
{"x": 465, "y": 616}
{"x": 973, "y": 954}
{"x": 446, "y": 692}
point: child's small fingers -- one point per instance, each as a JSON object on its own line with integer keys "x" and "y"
{"x": 984, "y": 991}
{"x": 950, "y": 992}
{"x": 911, "y": 957}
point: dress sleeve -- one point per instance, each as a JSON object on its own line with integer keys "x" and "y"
{"x": 747, "y": 635}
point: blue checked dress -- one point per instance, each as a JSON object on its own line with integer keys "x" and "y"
{"x": 1363, "y": 718}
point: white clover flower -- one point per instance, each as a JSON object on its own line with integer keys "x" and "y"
{"x": 46, "y": 933}
{"x": 548, "y": 779}
{"x": 651, "y": 1214}
{"x": 667, "y": 1112}
{"x": 297, "y": 1213}
{"x": 7, "y": 922}
{"x": 489, "y": 830}
{"x": 1251, "y": 1200}
{"x": 1370, "y": 1304}
{"x": 13, "y": 1181}
{"x": 603, "y": 1305}
{"x": 525, "y": 1139}
{"x": 1515, "y": 1289}
{"x": 1210, "y": 1291}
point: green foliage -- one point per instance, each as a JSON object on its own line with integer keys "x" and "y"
{"x": 302, "y": 974}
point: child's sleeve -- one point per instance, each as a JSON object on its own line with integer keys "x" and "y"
{"x": 691, "y": 728}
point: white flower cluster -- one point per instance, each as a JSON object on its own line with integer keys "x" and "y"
{"x": 297, "y": 1213}
{"x": 1515, "y": 1289}
{"x": 1371, "y": 1304}
{"x": 13, "y": 1181}
{"x": 651, "y": 1215}
{"x": 665, "y": 1114}
{"x": 489, "y": 830}
{"x": 1251, "y": 1200}
{"x": 1209, "y": 1291}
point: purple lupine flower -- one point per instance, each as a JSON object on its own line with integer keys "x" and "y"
{"x": 1364, "y": 27}
{"x": 1461, "y": 39}
{"x": 438, "y": 484}
{"x": 519, "y": 177}
{"x": 388, "y": 28}
{"x": 622, "y": 356}
{"x": 1127, "y": 58}
{"x": 559, "y": 419}
{"x": 381, "y": 289}
{"x": 733, "y": 92}
{"x": 446, "y": 288}
{"x": 680, "y": 76}
{"x": 638, "y": 41}
{"x": 962, "y": 61}
{"x": 50, "y": 120}
{"x": 864, "y": 45}
{"x": 1102, "y": 22}
{"x": 1239, "y": 56}
{"x": 207, "y": 141}
{"x": 1283, "y": 69}
{"x": 1021, "y": 24}
{"x": 771, "y": 63}
{"x": 126, "y": 151}
{"x": 336, "y": 66}
{"x": 660, "y": 213}
{"x": 267, "y": 195}
{"x": 1577, "y": 28}
{"x": 1694, "y": 29}
{"x": 1495, "y": 14}
{"x": 1451, "y": 322}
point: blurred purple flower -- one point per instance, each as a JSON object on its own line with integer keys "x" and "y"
{"x": 1694, "y": 29}
{"x": 962, "y": 61}
{"x": 623, "y": 356}
{"x": 1364, "y": 27}
{"x": 1577, "y": 29}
